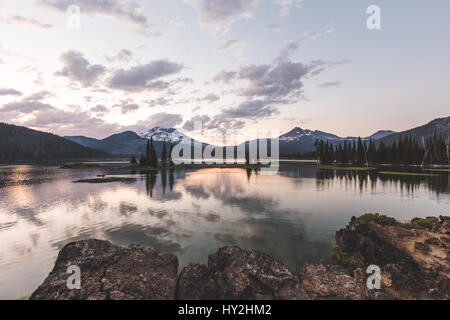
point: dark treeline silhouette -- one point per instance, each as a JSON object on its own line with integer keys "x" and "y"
{"x": 150, "y": 158}
{"x": 407, "y": 150}
{"x": 20, "y": 143}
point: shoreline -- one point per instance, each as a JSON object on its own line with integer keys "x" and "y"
{"x": 413, "y": 258}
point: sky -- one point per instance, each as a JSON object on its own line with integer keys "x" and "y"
{"x": 242, "y": 65}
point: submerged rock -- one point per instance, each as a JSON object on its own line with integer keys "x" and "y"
{"x": 111, "y": 272}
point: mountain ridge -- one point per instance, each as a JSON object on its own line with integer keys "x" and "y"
{"x": 296, "y": 140}
{"x": 19, "y": 143}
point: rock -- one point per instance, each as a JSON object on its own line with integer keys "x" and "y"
{"x": 111, "y": 272}
{"x": 433, "y": 219}
{"x": 443, "y": 226}
{"x": 196, "y": 283}
{"x": 414, "y": 263}
{"x": 233, "y": 273}
{"x": 331, "y": 282}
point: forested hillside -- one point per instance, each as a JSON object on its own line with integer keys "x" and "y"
{"x": 440, "y": 127}
{"x": 20, "y": 143}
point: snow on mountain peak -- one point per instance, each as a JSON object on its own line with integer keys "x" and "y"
{"x": 169, "y": 135}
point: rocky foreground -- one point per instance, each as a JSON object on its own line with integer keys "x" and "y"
{"x": 414, "y": 260}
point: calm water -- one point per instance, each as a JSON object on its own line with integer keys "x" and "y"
{"x": 292, "y": 215}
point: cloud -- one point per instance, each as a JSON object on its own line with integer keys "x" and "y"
{"x": 218, "y": 15}
{"x": 223, "y": 124}
{"x": 287, "y": 5}
{"x": 225, "y": 76}
{"x": 210, "y": 98}
{"x": 329, "y": 84}
{"x": 23, "y": 107}
{"x": 266, "y": 86}
{"x": 239, "y": 46}
{"x": 43, "y": 116}
{"x": 127, "y": 107}
{"x": 38, "y": 96}
{"x": 166, "y": 120}
{"x": 274, "y": 83}
{"x": 252, "y": 109}
{"x": 9, "y": 92}
{"x": 142, "y": 77}
{"x": 128, "y": 12}
{"x": 16, "y": 19}
{"x": 77, "y": 68}
{"x": 159, "y": 102}
{"x": 234, "y": 118}
{"x": 125, "y": 55}
{"x": 189, "y": 125}
{"x": 291, "y": 47}
{"x": 99, "y": 110}
{"x": 224, "y": 46}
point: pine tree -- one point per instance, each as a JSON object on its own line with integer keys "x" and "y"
{"x": 360, "y": 152}
{"x": 147, "y": 154}
{"x": 152, "y": 157}
{"x": 142, "y": 161}
{"x": 133, "y": 161}
{"x": 164, "y": 155}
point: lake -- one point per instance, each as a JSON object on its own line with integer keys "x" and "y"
{"x": 292, "y": 215}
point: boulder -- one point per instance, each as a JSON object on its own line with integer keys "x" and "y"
{"x": 111, "y": 272}
{"x": 234, "y": 273}
{"x": 329, "y": 282}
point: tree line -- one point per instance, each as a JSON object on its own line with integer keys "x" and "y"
{"x": 150, "y": 158}
{"x": 406, "y": 150}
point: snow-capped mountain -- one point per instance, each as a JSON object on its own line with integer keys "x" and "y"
{"x": 130, "y": 143}
{"x": 169, "y": 135}
{"x": 298, "y": 134}
{"x": 302, "y": 140}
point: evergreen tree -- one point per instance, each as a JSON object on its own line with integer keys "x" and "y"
{"x": 151, "y": 155}
{"x": 164, "y": 155}
{"x": 142, "y": 161}
{"x": 360, "y": 153}
{"x": 133, "y": 161}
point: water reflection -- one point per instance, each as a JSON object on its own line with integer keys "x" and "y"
{"x": 365, "y": 179}
{"x": 292, "y": 216}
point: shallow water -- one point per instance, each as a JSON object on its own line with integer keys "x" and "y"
{"x": 292, "y": 215}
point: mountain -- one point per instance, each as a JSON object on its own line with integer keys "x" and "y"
{"x": 20, "y": 143}
{"x": 125, "y": 143}
{"x": 302, "y": 140}
{"x": 130, "y": 143}
{"x": 440, "y": 126}
{"x": 84, "y": 141}
{"x": 169, "y": 135}
{"x": 381, "y": 134}
{"x": 297, "y": 140}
